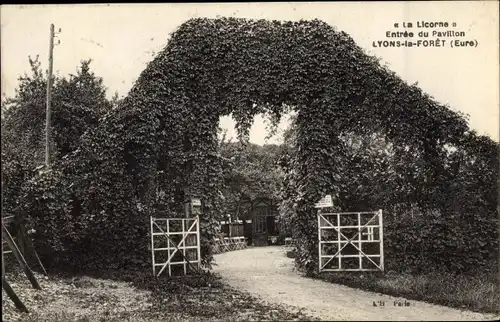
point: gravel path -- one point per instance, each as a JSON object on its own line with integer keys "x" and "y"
{"x": 267, "y": 273}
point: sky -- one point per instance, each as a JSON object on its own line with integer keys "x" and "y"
{"x": 122, "y": 39}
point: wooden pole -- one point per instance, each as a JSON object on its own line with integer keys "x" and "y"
{"x": 185, "y": 260}
{"x": 27, "y": 270}
{"x": 13, "y": 296}
{"x": 29, "y": 245}
{"x": 381, "y": 237}
{"x": 152, "y": 245}
{"x": 198, "y": 240}
{"x": 3, "y": 263}
{"x": 49, "y": 93}
{"x": 319, "y": 241}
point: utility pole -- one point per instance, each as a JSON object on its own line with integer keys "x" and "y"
{"x": 49, "y": 94}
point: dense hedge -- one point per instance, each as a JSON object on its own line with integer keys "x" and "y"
{"x": 454, "y": 227}
{"x": 448, "y": 225}
{"x": 432, "y": 240}
{"x": 163, "y": 136}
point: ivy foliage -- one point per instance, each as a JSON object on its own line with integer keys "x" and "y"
{"x": 251, "y": 172}
{"x": 447, "y": 224}
{"x": 78, "y": 102}
{"x": 46, "y": 197}
{"x": 159, "y": 145}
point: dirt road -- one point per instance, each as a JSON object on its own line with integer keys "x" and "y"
{"x": 267, "y": 273}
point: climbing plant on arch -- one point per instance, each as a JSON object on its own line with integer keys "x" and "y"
{"x": 160, "y": 144}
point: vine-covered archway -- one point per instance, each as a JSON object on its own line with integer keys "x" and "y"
{"x": 160, "y": 144}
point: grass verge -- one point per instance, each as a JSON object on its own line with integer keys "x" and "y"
{"x": 476, "y": 293}
{"x": 139, "y": 297}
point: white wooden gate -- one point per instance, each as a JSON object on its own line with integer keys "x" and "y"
{"x": 175, "y": 245}
{"x": 350, "y": 241}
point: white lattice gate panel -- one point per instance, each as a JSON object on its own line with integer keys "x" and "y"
{"x": 175, "y": 245}
{"x": 350, "y": 241}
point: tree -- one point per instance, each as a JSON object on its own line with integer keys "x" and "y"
{"x": 77, "y": 105}
{"x": 116, "y": 100}
{"x": 251, "y": 172}
{"x": 23, "y": 118}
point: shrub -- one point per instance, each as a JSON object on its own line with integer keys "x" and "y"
{"x": 434, "y": 240}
